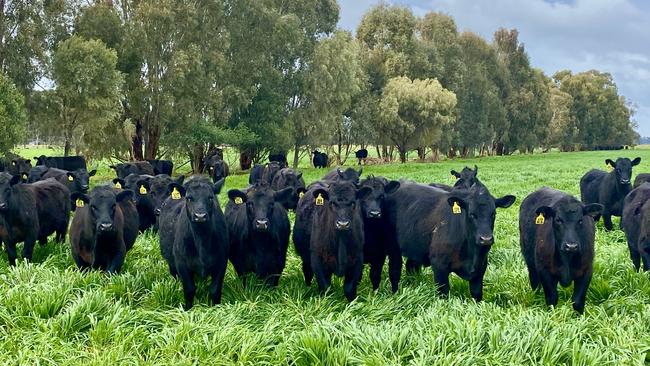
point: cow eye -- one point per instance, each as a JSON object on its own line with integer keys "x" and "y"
{"x": 580, "y": 222}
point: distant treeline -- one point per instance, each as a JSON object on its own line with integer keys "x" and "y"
{"x": 144, "y": 79}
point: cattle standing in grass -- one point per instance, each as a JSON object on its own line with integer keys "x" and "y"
{"x": 216, "y": 168}
{"x": 451, "y": 231}
{"x": 30, "y": 212}
{"x": 362, "y": 155}
{"x": 348, "y": 174}
{"x": 133, "y": 167}
{"x": 264, "y": 173}
{"x": 69, "y": 163}
{"x": 557, "y": 235}
{"x": 161, "y": 166}
{"x": 159, "y": 190}
{"x": 320, "y": 160}
{"x": 375, "y": 249}
{"x": 635, "y": 222}
{"x": 287, "y": 177}
{"x": 465, "y": 179}
{"x": 279, "y": 158}
{"x": 258, "y": 227}
{"x": 36, "y": 173}
{"x": 641, "y": 178}
{"x": 256, "y": 174}
{"x": 608, "y": 189}
{"x": 194, "y": 236}
{"x": 76, "y": 181}
{"x": 103, "y": 229}
{"x": 141, "y": 187}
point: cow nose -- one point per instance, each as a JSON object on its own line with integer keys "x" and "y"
{"x": 342, "y": 224}
{"x": 84, "y": 187}
{"x": 157, "y": 212}
{"x": 571, "y": 247}
{"x": 105, "y": 226}
{"x": 374, "y": 214}
{"x": 200, "y": 217}
{"x": 262, "y": 224}
{"x": 487, "y": 239}
{"x": 3, "y": 206}
{"x": 625, "y": 181}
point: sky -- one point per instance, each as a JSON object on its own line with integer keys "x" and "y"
{"x": 607, "y": 35}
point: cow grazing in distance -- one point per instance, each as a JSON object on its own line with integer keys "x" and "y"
{"x": 361, "y": 155}
{"x": 375, "y": 249}
{"x": 635, "y": 222}
{"x": 216, "y": 168}
{"x": 75, "y": 181}
{"x": 258, "y": 227}
{"x": 450, "y": 231}
{"x": 465, "y": 179}
{"x": 103, "y": 229}
{"x": 161, "y": 166}
{"x": 641, "y": 178}
{"x": 132, "y": 167}
{"x": 69, "y": 163}
{"x": 30, "y": 212}
{"x": 608, "y": 189}
{"x": 287, "y": 177}
{"x": 194, "y": 236}
{"x": 348, "y": 174}
{"x": 557, "y": 235}
{"x": 320, "y": 160}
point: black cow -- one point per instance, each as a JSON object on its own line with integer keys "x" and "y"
{"x": 256, "y": 173}
{"x": 132, "y": 167}
{"x": 362, "y": 155}
{"x": 36, "y": 173}
{"x": 287, "y": 177}
{"x": 76, "y": 181}
{"x": 30, "y": 212}
{"x": 19, "y": 166}
{"x": 264, "y": 173}
{"x": 161, "y": 166}
{"x": 451, "y": 231}
{"x": 375, "y": 249}
{"x": 635, "y": 222}
{"x": 62, "y": 162}
{"x": 103, "y": 229}
{"x": 194, "y": 236}
{"x": 320, "y": 160}
{"x": 556, "y": 233}
{"x": 608, "y": 189}
{"x": 216, "y": 168}
{"x": 348, "y": 174}
{"x": 258, "y": 227}
{"x": 159, "y": 190}
{"x": 279, "y": 158}
{"x": 465, "y": 179}
{"x": 641, "y": 178}
{"x": 141, "y": 187}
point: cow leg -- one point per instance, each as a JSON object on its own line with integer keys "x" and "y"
{"x": 11, "y": 252}
{"x": 323, "y": 277}
{"x": 550, "y": 288}
{"x": 116, "y": 262}
{"x": 394, "y": 270}
{"x": 646, "y": 261}
{"x": 352, "y": 278}
{"x": 376, "y": 266}
{"x": 42, "y": 240}
{"x": 61, "y": 232}
{"x": 216, "y": 286}
{"x": 307, "y": 271}
{"x": 636, "y": 257}
{"x": 607, "y": 220}
{"x": 189, "y": 287}
{"x": 476, "y": 286}
{"x": 441, "y": 279}
{"x": 532, "y": 274}
{"x": 413, "y": 266}
{"x": 580, "y": 286}
{"x": 28, "y": 249}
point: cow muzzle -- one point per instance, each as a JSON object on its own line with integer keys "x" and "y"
{"x": 200, "y": 217}
{"x": 105, "y": 226}
{"x": 374, "y": 214}
{"x": 3, "y": 206}
{"x": 262, "y": 225}
{"x": 570, "y": 247}
{"x": 343, "y": 225}
{"x": 486, "y": 240}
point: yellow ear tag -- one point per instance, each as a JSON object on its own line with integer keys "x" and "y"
{"x": 25, "y": 176}
{"x": 301, "y": 194}
{"x": 79, "y": 202}
{"x": 320, "y": 200}
{"x": 455, "y": 208}
{"x": 118, "y": 185}
{"x": 540, "y": 219}
{"x": 453, "y": 177}
{"x": 176, "y": 195}
{"x": 70, "y": 178}
{"x": 143, "y": 190}
{"x": 238, "y": 200}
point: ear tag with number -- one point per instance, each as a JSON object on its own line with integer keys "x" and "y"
{"x": 143, "y": 190}
{"x": 320, "y": 200}
{"x": 455, "y": 208}
{"x": 70, "y": 178}
{"x": 301, "y": 194}
{"x": 80, "y": 203}
{"x": 540, "y": 219}
{"x": 24, "y": 176}
{"x": 453, "y": 177}
{"x": 118, "y": 185}
{"x": 609, "y": 167}
{"x": 238, "y": 200}
{"x": 176, "y": 195}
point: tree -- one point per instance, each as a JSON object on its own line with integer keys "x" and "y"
{"x": 563, "y": 129}
{"x": 12, "y": 114}
{"x": 414, "y": 112}
{"x": 86, "y": 95}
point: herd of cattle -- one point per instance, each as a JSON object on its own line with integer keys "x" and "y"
{"x": 341, "y": 223}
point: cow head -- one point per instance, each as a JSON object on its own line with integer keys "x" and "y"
{"x": 20, "y": 167}
{"x": 101, "y": 203}
{"x": 466, "y": 178}
{"x": 340, "y": 200}
{"x": 260, "y": 201}
{"x": 7, "y": 182}
{"x": 79, "y": 180}
{"x": 623, "y": 169}
{"x": 349, "y": 175}
{"x": 159, "y": 189}
{"x": 289, "y": 178}
{"x": 478, "y": 208}
{"x": 217, "y": 169}
{"x": 199, "y": 195}
{"x": 570, "y": 219}
{"x": 372, "y": 205}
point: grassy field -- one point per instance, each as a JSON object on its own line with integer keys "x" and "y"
{"x": 50, "y": 313}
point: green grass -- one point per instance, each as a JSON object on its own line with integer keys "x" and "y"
{"x": 50, "y": 313}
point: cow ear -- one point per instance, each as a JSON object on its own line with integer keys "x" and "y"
{"x": 455, "y": 173}
{"x": 175, "y": 190}
{"x": 180, "y": 179}
{"x": 92, "y": 173}
{"x": 77, "y": 197}
{"x": 546, "y": 211}
{"x": 233, "y": 194}
{"x": 284, "y": 195}
{"x": 299, "y": 175}
{"x": 218, "y": 185}
{"x": 610, "y": 162}
{"x": 15, "y": 179}
{"x": 112, "y": 167}
{"x": 475, "y": 170}
{"x": 124, "y": 195}
{"x": 70, "y": 176}
{"x": 391, "y": 187}
{"x": 455, "y": 200}
{"x": 323, "y": 194}
{"x": 636, "y": 161}
{"x": 119, "y": 183}
{"x": 143, "y": 183}
{"x": 592, "y": 209}
{"x": 505, "y": 201}
{"x": 363, "y": 192}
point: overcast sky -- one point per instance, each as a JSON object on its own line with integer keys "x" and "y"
{"x": 607, "y": 35}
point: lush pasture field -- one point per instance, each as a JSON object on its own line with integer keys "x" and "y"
{"x": 50, "y": 313}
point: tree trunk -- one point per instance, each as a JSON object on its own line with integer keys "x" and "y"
{"x": 66, "y": 147}
{"x": 402, "y": 154}
{"x": 296, "y": 150}
{"x": 385, "y": 153}
{"x": 152, "y": 142}
{"x": 378, "y": 151}
{"x": 422, "y": 153}
{"x": 245, "y": 160}
{"x": 196, "y": 159}
{"x": 136, "y": 143}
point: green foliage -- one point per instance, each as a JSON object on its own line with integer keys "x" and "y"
{"x": 12, "y": 114}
